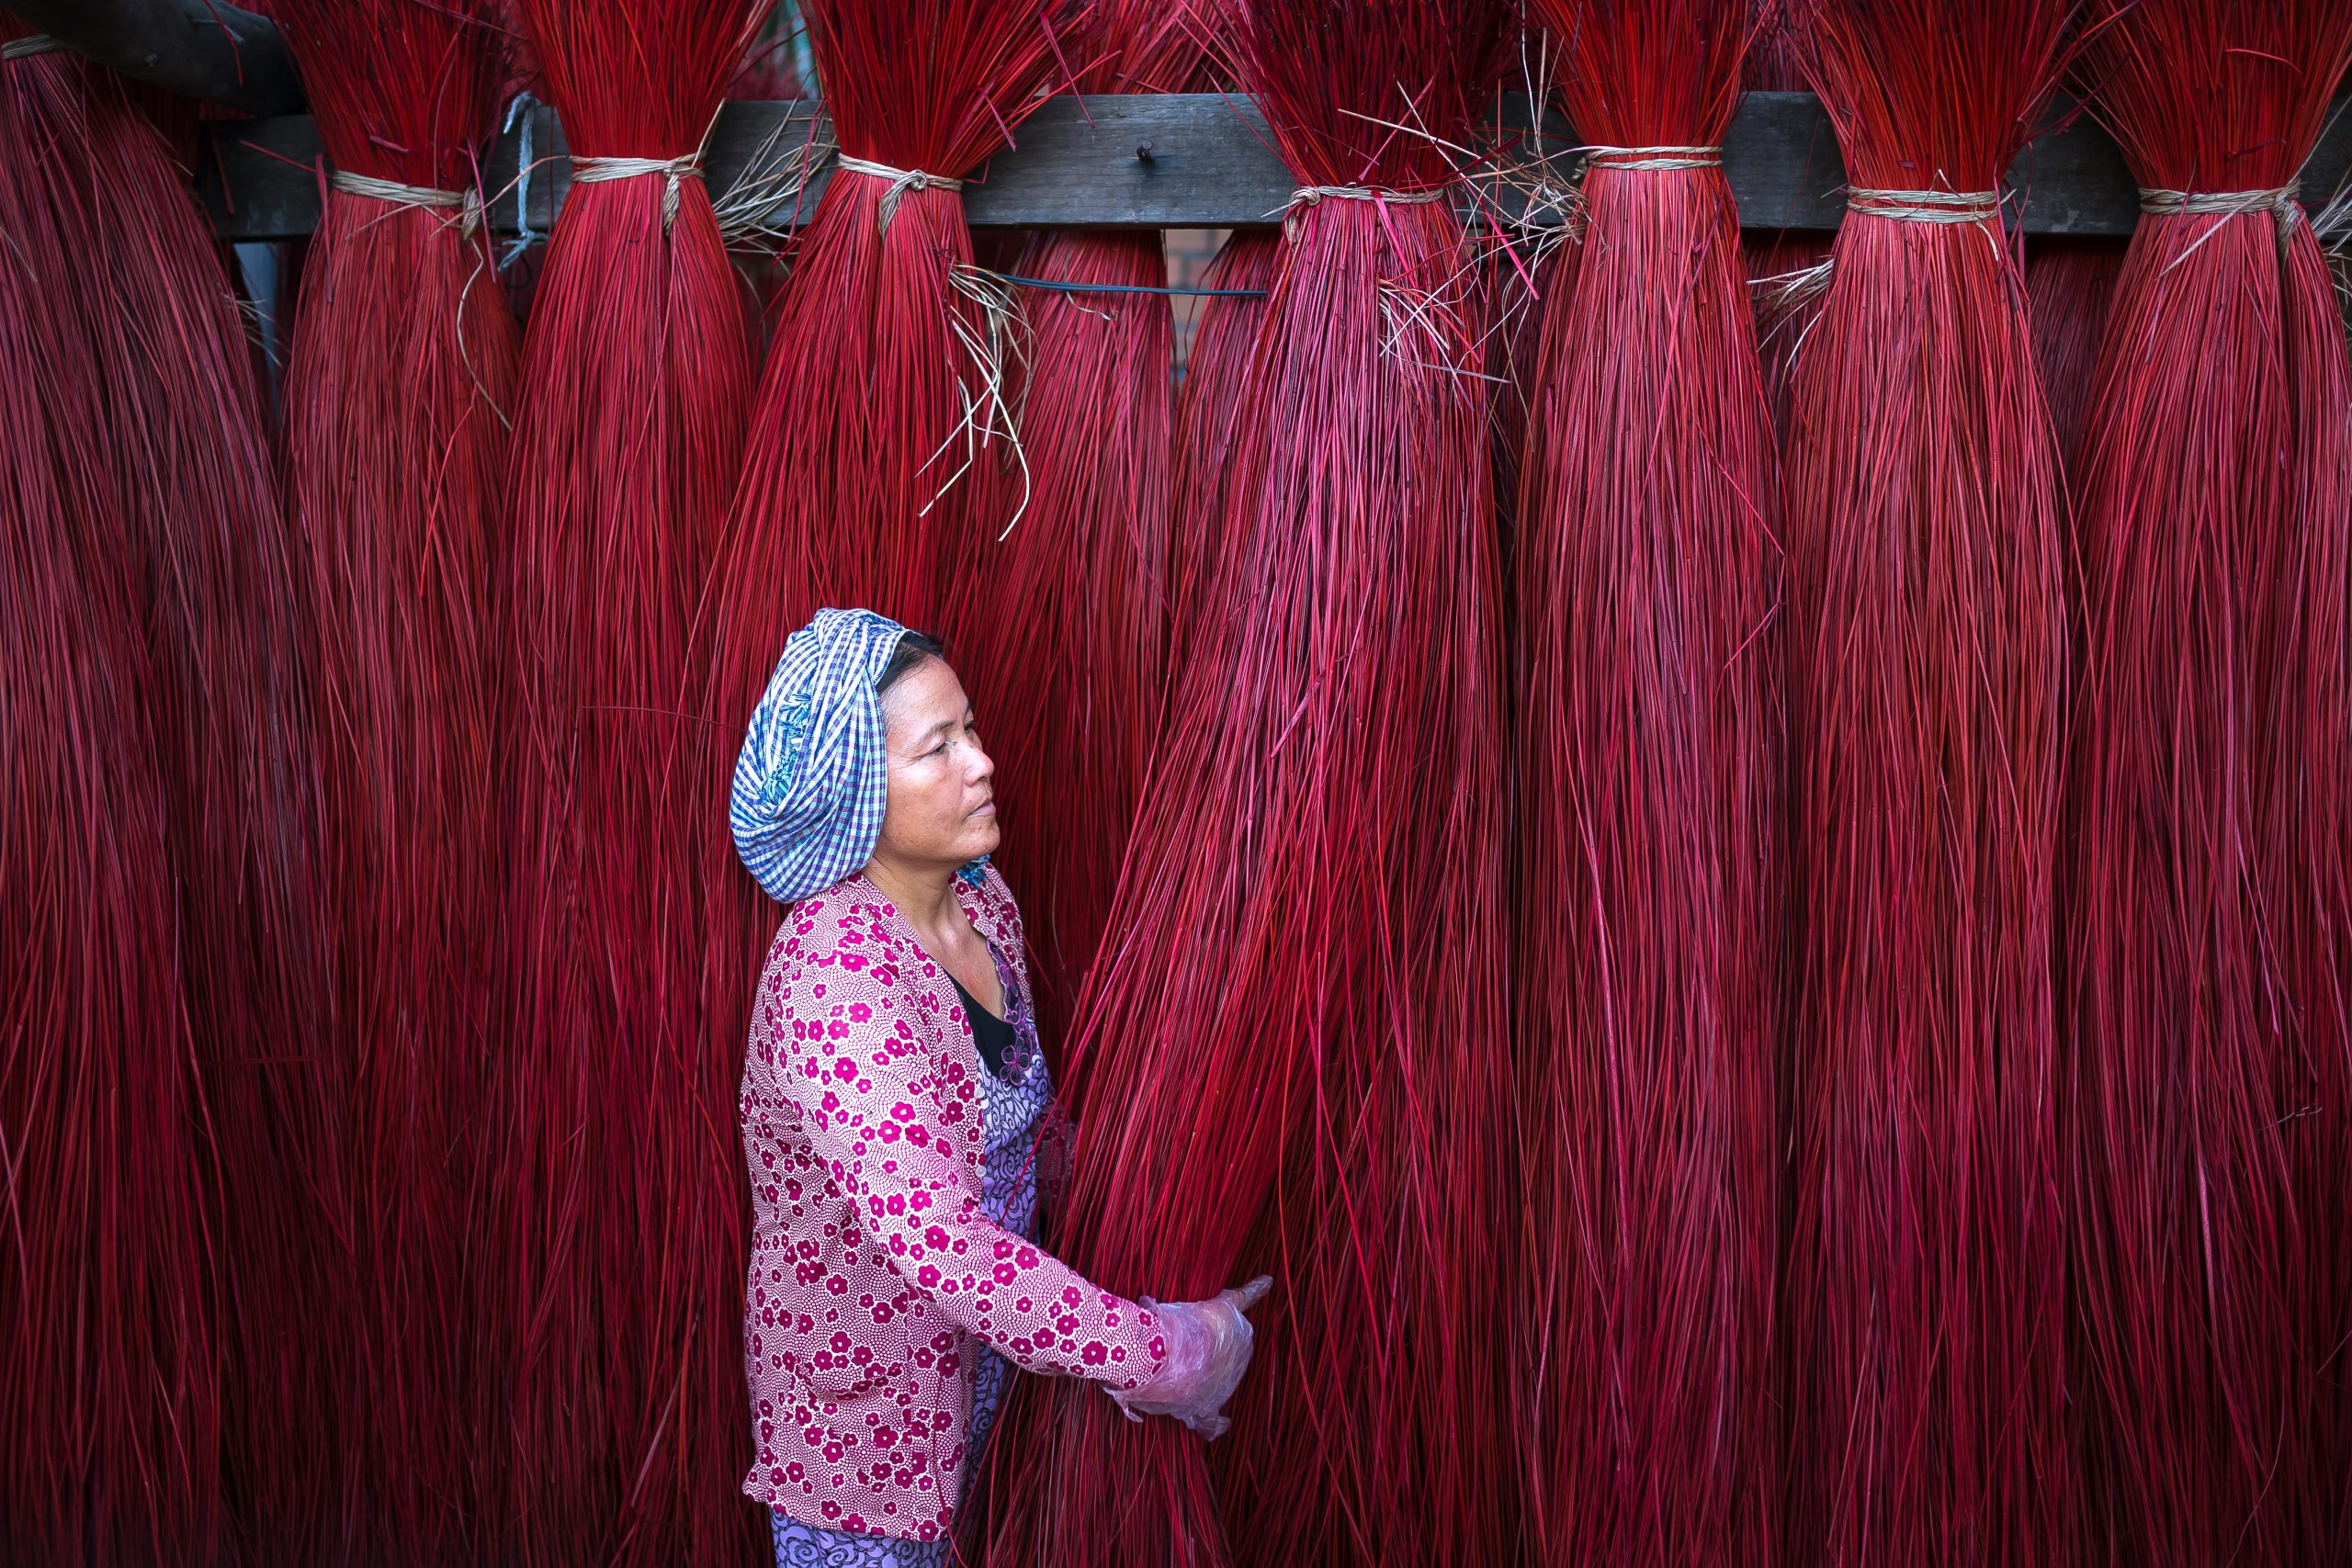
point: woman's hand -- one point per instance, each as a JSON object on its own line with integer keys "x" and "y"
{"x": 1208, "y": 1349}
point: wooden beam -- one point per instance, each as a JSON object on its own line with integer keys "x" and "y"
{"x": 1201, "y": 161}
{"x": 199, "y": 49}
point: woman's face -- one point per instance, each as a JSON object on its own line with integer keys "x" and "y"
{"x": 941, "y": 805}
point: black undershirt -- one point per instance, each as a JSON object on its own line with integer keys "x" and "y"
{"x": 992, "y": 1035}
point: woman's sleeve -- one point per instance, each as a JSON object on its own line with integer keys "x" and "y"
{"x": 888, "y": 1123}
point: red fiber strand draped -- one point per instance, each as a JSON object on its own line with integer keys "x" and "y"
{"x": 109, "y": 1392}
{"x": 2205, "y": 909}
{"x": 1290, "y": 1041}
{"x": 397, "y": 396}
{"x": 1648, "y": 560}
{"x": 1063, "y": 625}
{"x": 615, "y": 1212}
{"x": 2069, "y": 284}
{"x": 1216, "y": 372}
{"x": 177, "y": 420}
{"x": 1926, "y": 1276}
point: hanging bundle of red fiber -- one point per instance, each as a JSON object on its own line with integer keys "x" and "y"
{"x": 1289, "y": 1050}
{"x": 1647, "y": 559}
{"x": 1925, "y": 1278}
{"x": 1064, "y": 621}
{"x": 398, "y": 397}
{"x": 109, "y": 1389}
{"x": 878, "y": 457}
{"x": 613, "y": 1208}
{"x": 2204, "y": 918}
{"x": 177, "y": 421}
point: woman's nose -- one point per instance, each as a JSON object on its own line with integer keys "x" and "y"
{"x": 983, "y": 766}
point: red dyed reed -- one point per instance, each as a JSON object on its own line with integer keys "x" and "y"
{"x": 2069, "y": 286}
{"x": 1286, "y": 1044}
{"x": 1926, "y": 1275}
{"x": 399, "y": 392}
{"x": 614, "y": 1407}
{"x": 1063, "y": 625}
{"x": 110, "y": 1393}
{"x": 877, "y": 460}
{"x": 1208, "y": 402}
{"x": 178, "y": 424}
{"x": 2206, "y": 920}
{"x": 1647, "y": 561}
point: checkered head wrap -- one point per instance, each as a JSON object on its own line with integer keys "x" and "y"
{"x": 813, "y": 777}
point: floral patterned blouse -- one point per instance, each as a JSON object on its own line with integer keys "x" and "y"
{"x": 875, "y": 1269}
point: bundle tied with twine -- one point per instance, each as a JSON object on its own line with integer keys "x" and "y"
{"x": 177, "y": 420}
{"x": 882, "y": 447}
{"x": 612, "y": 1411}
{"x": 398, "y": 397}
{"x": 1923, "y": 1328}
{"x": 2205, "y": 923}
{"x": 1286, "y": 1046}
{"x": 1063, "y": 623}
{"x": 1647, "y": 558}
{"x": 110, "y": 1392}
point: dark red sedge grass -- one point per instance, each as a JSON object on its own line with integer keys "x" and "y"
{"x": 610, "y": 1381}
{"x": 1647, "y": 564}
{"x": 1285, "y": 1045}
{"x": 2205, "y": 925}
{"x": 110, "y": 1393}
{"x": 1924, "y": 1327}
{"x": 398, "y": 393}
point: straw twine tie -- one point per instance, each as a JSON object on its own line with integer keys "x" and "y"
{"x": 2281, "y": 203}
{"x": 1925, "y": 205}
{"x": 466, "y": 203}
{"x": 673, "y": 170}
{"x": 1307, "y": 197}
{"x": 901, "y": 181}
{"x": 1653, "y": 157}
{"x": 36, "y": 43}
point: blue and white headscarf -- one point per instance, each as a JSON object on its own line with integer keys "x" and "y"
{"x": 814, "y": 777}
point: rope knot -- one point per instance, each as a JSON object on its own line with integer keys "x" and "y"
{"x": 467, "y": 203}
{"x": 673, "y": 171}
{"x": 1307, "y": 197}
{"x": 901, "y": 181}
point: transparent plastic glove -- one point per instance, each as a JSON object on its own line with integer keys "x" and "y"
{"x": 1208, "y": 1349}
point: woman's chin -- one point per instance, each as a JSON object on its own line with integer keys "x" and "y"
{"x": 983, "y": 838}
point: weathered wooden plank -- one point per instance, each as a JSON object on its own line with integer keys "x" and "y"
{"x": 1195, "y": 161}
{"x": 199, "y": 49}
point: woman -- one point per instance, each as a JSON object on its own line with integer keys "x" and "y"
{"x": 893, "y": 1094}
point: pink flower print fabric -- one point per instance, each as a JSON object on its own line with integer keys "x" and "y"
{"x": 874, "y": 1265}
